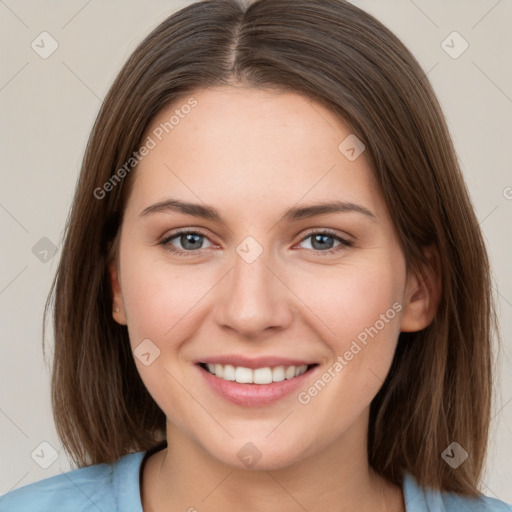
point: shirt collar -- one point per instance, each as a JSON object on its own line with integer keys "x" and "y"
{"x": 126, "y": 482}
{"x": 418, "y": 499}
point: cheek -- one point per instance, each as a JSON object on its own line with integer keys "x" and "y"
{"x": 357, "y": 310}
{"x": 346, "y": 300}
{"x": 162, "y": 303}
{"x": 350, "y": 300}
{"x": 159, "y": 299}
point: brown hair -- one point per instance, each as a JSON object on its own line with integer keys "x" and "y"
{"x": 439, "y": 387}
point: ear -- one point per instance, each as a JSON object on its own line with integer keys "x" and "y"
{"x": 423, "y": 293}
{"x": 117, "y": 297}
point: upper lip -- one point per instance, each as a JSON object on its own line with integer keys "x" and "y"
{"x": 256, "y": 362}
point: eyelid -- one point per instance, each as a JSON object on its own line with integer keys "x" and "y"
{"x": 344, "y": 242}
{"x": 183, "y": 231}
{"x": 326, "y": 231}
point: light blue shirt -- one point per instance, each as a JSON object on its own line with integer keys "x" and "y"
{"x": 115, "y": 488}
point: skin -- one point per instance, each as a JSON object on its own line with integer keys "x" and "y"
{"x": 251, "y": 154}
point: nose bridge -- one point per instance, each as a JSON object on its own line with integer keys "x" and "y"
{"x": 253, "y": 297}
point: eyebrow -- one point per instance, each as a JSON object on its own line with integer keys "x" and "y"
{"x": 293, "y": 214}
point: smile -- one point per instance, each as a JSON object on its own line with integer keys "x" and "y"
{"x": 255, "y": 387}
{"x": 264, "y": 375}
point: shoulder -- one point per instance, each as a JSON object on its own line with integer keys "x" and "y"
{"x": 96, "y": 487}
{"x": 482, "y": 504}
{"x": 418, "y": 499}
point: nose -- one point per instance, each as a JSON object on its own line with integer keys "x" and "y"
{"x": 253, "y": 298}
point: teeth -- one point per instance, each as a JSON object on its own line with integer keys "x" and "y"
{"x": 289, "y": 373}
{"x": 219, "y": 370}
{"x": 278, "y": 373}
{"x": 229, "y": 372}
{"x": 264, "y": 375}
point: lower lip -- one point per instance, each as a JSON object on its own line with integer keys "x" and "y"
{"x": 253, "y": 395}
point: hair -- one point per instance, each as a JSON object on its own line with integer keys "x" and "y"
{"x": 439, "y": 387}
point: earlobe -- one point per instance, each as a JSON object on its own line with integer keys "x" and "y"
{"x": 423, "y": 293}
{"x": 117, "y": 298}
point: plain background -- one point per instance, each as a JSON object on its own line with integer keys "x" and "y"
{"x": 49, "y": 105}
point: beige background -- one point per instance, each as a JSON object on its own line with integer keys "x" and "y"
{"x": 48, "y": 107}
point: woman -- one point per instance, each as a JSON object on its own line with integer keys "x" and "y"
{"x": 273, "y": 292}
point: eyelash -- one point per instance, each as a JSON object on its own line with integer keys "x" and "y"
{"x": 168, "y": 247}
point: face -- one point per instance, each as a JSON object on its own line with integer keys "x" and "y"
{"x": 262, "y": 281}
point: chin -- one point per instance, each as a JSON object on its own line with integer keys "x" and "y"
{"x": 259, "y": 456}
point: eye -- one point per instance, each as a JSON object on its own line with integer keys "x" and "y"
{"x": 190, "y": 241}
{"x": 321, "y": 241}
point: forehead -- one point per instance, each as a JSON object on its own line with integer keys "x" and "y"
{"x": 246, "y": 145}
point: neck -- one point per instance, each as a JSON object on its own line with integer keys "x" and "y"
{"x": 184, "y": 476}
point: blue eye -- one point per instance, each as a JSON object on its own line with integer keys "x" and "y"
{"x": 191, "y": 242}
{"x": 320, "y": 239}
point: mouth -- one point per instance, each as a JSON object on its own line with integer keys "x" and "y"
{"x": 258, "y": 386}
{"x": 257, "y": 376}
